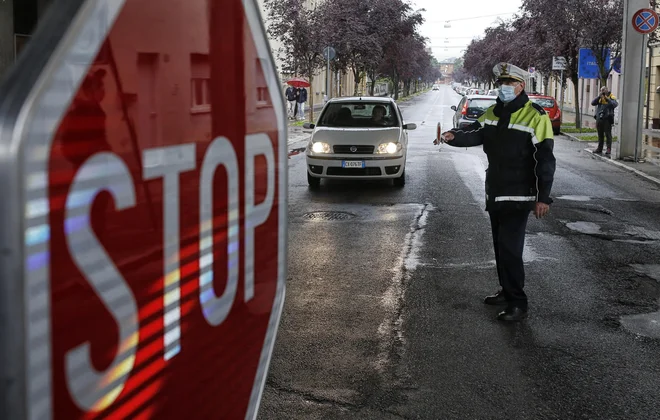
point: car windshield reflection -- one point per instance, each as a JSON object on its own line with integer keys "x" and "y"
{"x": 359, "y": 114}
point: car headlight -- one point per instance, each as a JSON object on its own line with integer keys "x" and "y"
{"x": 320, "y": 147}
{"x": 389, "y": 148}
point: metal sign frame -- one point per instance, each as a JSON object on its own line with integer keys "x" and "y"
{"x": 36, "y": 93}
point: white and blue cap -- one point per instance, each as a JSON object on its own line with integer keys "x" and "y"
{"x": 507, "y": 71}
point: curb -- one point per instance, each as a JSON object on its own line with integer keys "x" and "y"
{"x": 574, "y": 138}
{"x": 626, "y": 167}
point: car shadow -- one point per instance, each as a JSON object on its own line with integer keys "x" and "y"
{"x": 353, "y": 191}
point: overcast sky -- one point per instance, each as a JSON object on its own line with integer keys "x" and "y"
{"x": 461, "y": 31}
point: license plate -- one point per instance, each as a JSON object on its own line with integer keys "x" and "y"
{"x": 352, "y": 164}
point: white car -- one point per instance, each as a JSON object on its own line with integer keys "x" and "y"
{"x": 358, "y": 138}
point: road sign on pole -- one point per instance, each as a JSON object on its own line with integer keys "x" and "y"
{"x": 559, "y": 63}
{"x": 329, "y": 54}
{"x": 645, "y": 21}
{"x": 132, "y": 283}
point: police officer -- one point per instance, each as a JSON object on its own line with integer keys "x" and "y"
{"x": 517, "y": 138}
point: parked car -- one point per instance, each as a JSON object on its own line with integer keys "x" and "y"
{"x": 493, "y": 92}
{"x": 550, "y": 105}
{"x": 351, "y": 142}
{"x": 436, "y": 87}
{"x": 470, "y": 108}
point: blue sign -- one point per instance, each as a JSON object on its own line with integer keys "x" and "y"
{"x": 587, "y": 65}
{"x": 616, "y": 66}
{"x": 645, "y": 21}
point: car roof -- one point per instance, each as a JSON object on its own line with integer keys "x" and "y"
{"x": 382, "y": 99}
{"x": 481, "y": 97}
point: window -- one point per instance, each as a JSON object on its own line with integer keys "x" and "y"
{"x": 200, "y": 95}
{"x": 200, "y": 83}
{"x": 263, "y": 97}
{"x": 543, "y": 102}
{"x": 359, "y": 114}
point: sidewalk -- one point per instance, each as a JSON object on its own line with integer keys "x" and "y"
{"x": 649, "y": 170}
{"x": 568, "y": 116}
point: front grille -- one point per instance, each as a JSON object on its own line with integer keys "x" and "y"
{"x": 353, "y": 171}
{"x": 359, "y": 150}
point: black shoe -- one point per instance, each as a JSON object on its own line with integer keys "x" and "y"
{"x": 598, "y": 151}
{"x": 496, "y": 299}
{"x": 512, "y": 314}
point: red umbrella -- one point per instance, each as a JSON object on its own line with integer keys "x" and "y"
{"x": 297, "y": 82}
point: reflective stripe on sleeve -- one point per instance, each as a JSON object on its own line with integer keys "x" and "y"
{"x": 516, "y": 198}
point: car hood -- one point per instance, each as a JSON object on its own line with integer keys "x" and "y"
{"x": 356, "y": 136}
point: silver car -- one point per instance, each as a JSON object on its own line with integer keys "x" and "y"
{"x": 358, "y": 138}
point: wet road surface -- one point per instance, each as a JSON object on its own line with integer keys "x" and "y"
{"x": 384, "y": 318}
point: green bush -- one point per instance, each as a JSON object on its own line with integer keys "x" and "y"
{"x": 577, "y": 130}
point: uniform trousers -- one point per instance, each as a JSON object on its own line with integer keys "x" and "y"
{"x": 508, "y": 228}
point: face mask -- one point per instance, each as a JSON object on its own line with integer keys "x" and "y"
{"x": 507, "y": 93}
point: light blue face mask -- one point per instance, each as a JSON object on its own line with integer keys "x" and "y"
{"x": 507, "y": 93}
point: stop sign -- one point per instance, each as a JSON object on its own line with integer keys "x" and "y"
{"x": 144, "y": 221}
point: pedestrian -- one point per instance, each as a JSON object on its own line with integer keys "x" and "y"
{"x": 291, "y": 99}
{"x": 302, "y": 98}
{"x": 517, "y": 138}
{"x": 604, "y": 116}
{"x": 296, "y": 95}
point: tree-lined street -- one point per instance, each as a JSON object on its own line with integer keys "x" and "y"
{"x": 384, "y": 316}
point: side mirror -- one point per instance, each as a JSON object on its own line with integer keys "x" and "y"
{"x": 410, "y": 126}
{"x": 453, "y": 108}
{"x": 309, "y": 125}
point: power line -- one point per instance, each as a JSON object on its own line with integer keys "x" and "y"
{"x": 471, "y": 18}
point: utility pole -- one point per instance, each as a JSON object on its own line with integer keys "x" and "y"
{"x": 632, "y": 70}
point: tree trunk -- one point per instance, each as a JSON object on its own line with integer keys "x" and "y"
{"x": 311, "y": 97}
{"x": 373, "y": 83}
{"x": 578, "y": 114}
{"x": 546, "y": 85}
{"x": 395, "y": 85}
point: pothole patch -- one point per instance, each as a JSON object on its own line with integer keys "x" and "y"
{"x": 328, "y": 216}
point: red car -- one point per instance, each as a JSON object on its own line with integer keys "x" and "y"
{"x": 550, "y": 105}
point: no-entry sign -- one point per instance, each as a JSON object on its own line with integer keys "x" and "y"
{"x": 143, "y": 214}
{"x": 645, "y": 21}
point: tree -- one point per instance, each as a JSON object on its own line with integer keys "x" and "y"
{"x": 356, "y": 45}
{"x": 300, "y": 31}
{"x": 561, "y": 23}
{"x": 605, "y": 33}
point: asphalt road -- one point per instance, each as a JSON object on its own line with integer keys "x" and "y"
{"x": 384, "y": 317}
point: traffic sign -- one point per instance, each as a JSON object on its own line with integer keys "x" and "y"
{"x": 616, "y": 65}
{"x": 645, "y": 21}
{"x": 531, "y": 70}
{"x": 136, "y": 189}
{"x": 329, "y": 53}
{"x": 559, "y": 63}
{"x": 587, "y": 64}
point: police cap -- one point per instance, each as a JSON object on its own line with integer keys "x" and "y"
{"x": 507, "y": 71}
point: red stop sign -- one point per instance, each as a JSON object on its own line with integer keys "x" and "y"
{"x": 153, "y": 213}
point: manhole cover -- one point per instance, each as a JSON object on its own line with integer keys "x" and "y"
{"x": 328, "y": 215}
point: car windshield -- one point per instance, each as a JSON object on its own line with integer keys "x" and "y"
{"x": 359, "y": 114}
{"x": 480, "y": 105}
{"x": 543, "y": 102}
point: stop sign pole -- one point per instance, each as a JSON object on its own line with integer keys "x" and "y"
{"x": 133, "y": 286}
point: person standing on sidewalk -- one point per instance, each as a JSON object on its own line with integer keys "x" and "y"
{"x": 517, "y": 137}
{"x": 605, "y": 105}
{"x": 302, "y": 98}
{"x": 291, "y": 99}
